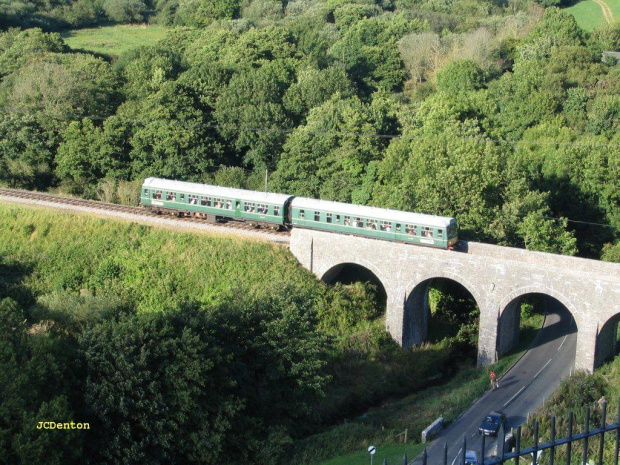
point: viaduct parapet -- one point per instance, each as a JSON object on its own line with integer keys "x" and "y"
{"x": 497, "y": 277}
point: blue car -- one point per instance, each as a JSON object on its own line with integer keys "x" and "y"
{"x": 492, "y": 423}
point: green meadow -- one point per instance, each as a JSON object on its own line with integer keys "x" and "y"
{"x": 113, "y": 40}
{"x": 589, "y": 14}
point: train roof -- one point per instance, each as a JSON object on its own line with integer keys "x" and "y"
{"x": 373, "y": 212}
{"x": 215, "y": 191}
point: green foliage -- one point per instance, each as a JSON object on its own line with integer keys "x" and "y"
{"x": 327, "y": 157}
{"x": 345, "y": 306}
{"x": 611, "y": 253}
{"x": 460, "y": 76}
{"x": 369, "y": 51}
{"x": 26, "y": 152}
{"x": 57, "y": 88}
{"x": 171, "y": 378}
{"x": 125, "y": 11}
{"x": 145, "y": 70}
{"x": 251, "y": 114}
{"x": 17, "y": 47}
{"x": 200, "y": 13}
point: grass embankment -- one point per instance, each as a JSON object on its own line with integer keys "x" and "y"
{"x": 113, "y": 40}
{"x": 150, "y": 269}
{"x": 595, "y": 14}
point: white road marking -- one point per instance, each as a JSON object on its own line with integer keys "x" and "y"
{"x": 540, "y": 371}
{"x": 513, "y": 397}
{"x": 457, "y": 455}
{"x": 562, "y": 342}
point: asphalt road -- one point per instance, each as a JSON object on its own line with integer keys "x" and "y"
{"x": 521, "y": 390}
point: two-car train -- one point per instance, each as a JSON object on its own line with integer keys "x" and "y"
{"x": 286, "y": 211}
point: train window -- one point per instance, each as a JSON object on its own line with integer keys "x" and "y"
{"x": 358, "y": 223}
{"x": 427, "y": 232}
{"x": 182, "y": 197}
{"x": 193, "y": 199}
{"x": 338, "y": 219}
{"x": 276, "y": 211}
{"x": 264, "y": 209}
{"x": 397, "y": 227}
{"x": 385, "y": 226}
{"x": 329, "y": 217}
{"x": 204, "y": 201}
{"x": 157, "y": 195}
{"x": 410, "y": 229}
{"x": 317, "y": 216}
{"x": 302, "y": 214}
{"x": 371, "y": 224}
{"x": 229, "y": 205}
{"x": 171, "y": 196}
{"x": 347, "y": 220}
{"x": 439, "y": 233}
{"x": 146, "y": 192}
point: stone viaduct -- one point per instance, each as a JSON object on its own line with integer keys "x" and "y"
{"x": 497, "y": 277}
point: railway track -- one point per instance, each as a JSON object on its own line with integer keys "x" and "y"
{"x": 124, "y": 210}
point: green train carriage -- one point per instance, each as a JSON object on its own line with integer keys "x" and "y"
{"x": 378, "y": 223}
{"x": 214, "y": 202}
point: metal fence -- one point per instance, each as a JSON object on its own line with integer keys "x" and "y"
{"x": 512, "y": 453}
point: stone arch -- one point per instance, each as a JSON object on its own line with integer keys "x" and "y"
{"x": 416, "y": 305}
{"x": 607, "y": 339}
{"x": 509, "y": 317}
{"x": 368, "y": 273}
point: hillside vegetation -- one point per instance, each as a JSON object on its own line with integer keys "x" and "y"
{"x": 136, "y": 329}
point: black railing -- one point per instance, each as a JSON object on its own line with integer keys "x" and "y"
{"x": 515, "y": 455}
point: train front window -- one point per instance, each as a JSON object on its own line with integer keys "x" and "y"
{"x": 146, "y": 192}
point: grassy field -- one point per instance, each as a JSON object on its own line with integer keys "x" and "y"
{"x": 113, "y": 40}
{"x": 590, "y": 13}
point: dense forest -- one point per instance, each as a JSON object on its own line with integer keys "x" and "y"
{"x": 504, "y": 114}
